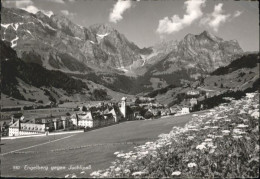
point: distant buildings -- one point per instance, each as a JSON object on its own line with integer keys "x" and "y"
{"x": 90, "y": 116}
{"x": 193, "y": 93}
{"x": 20, "y": 128}
{"x": 193, "y": 102}
{"x": 184, "y": 110}
{"x": 103, "y": 116}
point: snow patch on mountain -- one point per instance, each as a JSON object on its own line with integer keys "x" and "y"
{"x": 144, "y": 61}
{"x": 6, "y": 25}
{"x": 46, "y": 25}
{"x": 14, "y": 25}
{"x": 78, "y": 38}
{"x": 29, "y": 32}
{"x": 101, "y": 36}
{"x": 47, "y": 13}
{"x": 122, "y": 69}
{"x": 14, "y": 42}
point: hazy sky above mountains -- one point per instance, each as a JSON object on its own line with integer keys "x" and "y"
{"x": 146, "y": 22}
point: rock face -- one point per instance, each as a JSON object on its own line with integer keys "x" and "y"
{"x": 194, "y": 56}
{"x": 57, "y": 43}
{"x": 204, "y": 52}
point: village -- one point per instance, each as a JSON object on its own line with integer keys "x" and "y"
{"x": 88, "y": 117}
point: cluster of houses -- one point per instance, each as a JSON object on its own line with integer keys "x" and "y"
{"x": 102, "y": 115}
{"x": 85, "y": 119}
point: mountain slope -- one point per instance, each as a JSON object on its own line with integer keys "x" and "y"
{"x": 241, "y": 74}
{"x": 102, "y": 54}
{"x": 19, "y": 77}
{"x": 192, "y": 57}
{"x": 57, "y": 43}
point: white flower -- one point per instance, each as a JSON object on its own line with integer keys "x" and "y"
{"x": 208, "y": 140}
{"x": 212, "y": 151}
{"x": 120, "y": 155}
{"x": 139, "y": 173}
{"x": 67, "y": 176}
{"x": 127, "y": 156}
{"x": 242, "y": 125}
{"x": 134, "y": 156}
{"x": 226, "y": 131}
{"x": 95, "y": 173}
{"x": 148, "y": 143}
{"x": 83, "y": 172}
{"x": 238, "y": 131}
{"x": 237, "y": 136}
{"x": 201, "y": 146}
{"x": 116, "y": 153}
{"x": 105, "y": 174}
{"x": 214, "y": 127}
{"x": 117, "y": 169}
{"x": 190, "y": 165}
{"x": 210, "y": 135}
{"x": 255, "y": 115}
{"x": 206, "y": 127}
{"x": 127, "y": 171}
{"x": 177, "y": 173}
{"x": 210, "y": 144}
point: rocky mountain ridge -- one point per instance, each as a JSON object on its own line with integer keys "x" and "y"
{"x": 57, "y": 43}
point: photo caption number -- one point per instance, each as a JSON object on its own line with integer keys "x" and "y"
{"x": 16, "y": 167}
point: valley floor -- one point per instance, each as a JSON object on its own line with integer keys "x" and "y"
{"x": 95, "y": 148}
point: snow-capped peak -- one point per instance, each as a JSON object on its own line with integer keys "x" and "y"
{"x": 102, "y": 35}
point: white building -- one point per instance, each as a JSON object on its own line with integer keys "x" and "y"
{"x": 193, "y": 92}
{"x": 193, "y": 101}
{"x": 123, "y": 106}
{"x": 19, "y": 128}
{"x": 86, "y": 119}
{"x": 185, "y": 110}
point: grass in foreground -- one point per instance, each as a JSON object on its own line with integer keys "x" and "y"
{"x": 218, "y": 144}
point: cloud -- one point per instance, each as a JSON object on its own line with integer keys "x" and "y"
{"x": 119, "y": 8}
{"x": 26, "y": 5}
{"x": 31, "y": 9}
{"x": 237, "y": 13}
{"x": 216, "y": 18}
{"x": 57, "y": 1}
{"x": 175, "y": 24}
{"x": 67, "y": 13}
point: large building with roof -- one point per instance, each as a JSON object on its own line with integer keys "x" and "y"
{"x": 24, "y": 128}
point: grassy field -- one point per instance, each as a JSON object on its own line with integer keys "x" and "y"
{"x": 95, "y": 148}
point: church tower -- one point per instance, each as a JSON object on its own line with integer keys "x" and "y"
{"x": 123, "y": 106}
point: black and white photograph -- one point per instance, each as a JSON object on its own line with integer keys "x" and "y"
{"x": 129, "y": 89}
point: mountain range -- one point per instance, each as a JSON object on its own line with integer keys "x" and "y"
{"x": 102, "y": 55}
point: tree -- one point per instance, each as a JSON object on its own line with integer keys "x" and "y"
{"x": 84, "y": 108}
{"x": 148, "y": 115}
{"x": 138, "y": 101}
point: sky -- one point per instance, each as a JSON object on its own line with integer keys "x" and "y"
{"x": 147, "y": 22}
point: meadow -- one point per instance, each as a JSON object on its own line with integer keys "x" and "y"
{"x": 222, "y": 143}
